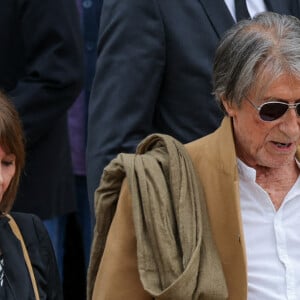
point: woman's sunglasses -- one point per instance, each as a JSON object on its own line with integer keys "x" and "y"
{"x": 273, "y": 110}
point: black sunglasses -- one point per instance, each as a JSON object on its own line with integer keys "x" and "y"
{"x": 273, "y": 110}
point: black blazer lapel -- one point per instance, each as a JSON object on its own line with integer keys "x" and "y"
{"x": 279, "y": 6}
{"x": 218, "y": 14}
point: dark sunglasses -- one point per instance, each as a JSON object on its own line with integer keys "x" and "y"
{"x": 273, "y": 110}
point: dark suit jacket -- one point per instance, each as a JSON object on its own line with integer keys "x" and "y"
{"x": 17, "y": 282}
{"x": 154, "y": 72}
{"x": 40, "y": 59}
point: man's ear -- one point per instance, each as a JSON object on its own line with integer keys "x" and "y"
{"x": 229, "y": 107}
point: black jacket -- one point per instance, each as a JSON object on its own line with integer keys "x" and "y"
{"x": 17, "y": 281}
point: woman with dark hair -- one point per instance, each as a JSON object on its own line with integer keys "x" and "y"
{"x": 28, "y": 268}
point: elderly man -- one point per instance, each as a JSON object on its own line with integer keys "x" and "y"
{"x": 242, "y": 240}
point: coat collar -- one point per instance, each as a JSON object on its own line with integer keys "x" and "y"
{"x": 215, "y": 162}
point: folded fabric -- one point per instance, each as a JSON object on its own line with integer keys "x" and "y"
{"x": 177, "y": 258}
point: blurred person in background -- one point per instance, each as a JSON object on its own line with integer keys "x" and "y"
{"x": 41, "y": 70}
{"x": 79, "y": 224}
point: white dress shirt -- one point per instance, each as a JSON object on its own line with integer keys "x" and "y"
{"x": 254, "y": 7}
{"x": 272, "y": 240}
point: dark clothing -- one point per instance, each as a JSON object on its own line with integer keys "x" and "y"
{"x": 17, "y": 283}
{"x": 41, "y": 70}
{"x": 153, "y": 74}
{"x": 89, "y": 12}
{"x": 90, "y": 19}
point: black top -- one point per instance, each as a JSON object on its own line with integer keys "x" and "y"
{"x": 17, "y": 283}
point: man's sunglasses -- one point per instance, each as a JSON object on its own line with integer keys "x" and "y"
{"x": 273, "y": 110}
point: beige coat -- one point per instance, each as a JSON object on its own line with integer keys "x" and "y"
{"x": 214, "y": 159}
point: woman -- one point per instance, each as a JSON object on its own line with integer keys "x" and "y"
{"x": 29, "y": 272}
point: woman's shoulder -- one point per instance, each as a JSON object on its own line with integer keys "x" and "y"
{"x": 41, "y": 253}
{"x": 25, "y": 218}
{"x": 32, "y": 228}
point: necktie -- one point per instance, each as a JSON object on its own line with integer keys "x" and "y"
{"x": 241, "y": 10}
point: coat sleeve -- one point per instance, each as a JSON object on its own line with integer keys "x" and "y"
{"x": 117, "y": 276}
{"x": 52, "y": 49}
{"x": 127, "y": 81}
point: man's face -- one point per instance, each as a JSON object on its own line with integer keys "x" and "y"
{"x": 269, "y": 144}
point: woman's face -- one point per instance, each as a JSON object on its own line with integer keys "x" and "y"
{"x": 7, "y": 170}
